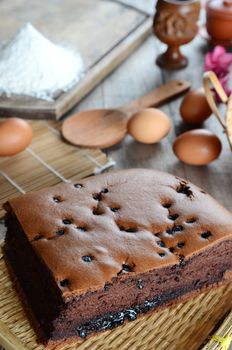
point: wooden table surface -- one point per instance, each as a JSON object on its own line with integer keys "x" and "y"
{"x": 137, "y": 76}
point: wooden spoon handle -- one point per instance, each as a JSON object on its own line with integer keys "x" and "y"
{"x": 160, "y": 95}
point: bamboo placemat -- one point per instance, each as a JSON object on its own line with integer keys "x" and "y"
{"x": 48, "y": 161}
{"x": 184, "y": 327}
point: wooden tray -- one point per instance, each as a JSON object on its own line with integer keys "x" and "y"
{"x": 184, "y": 327}
{"x": 47, "y": 161}
{"x": 104, "y": 31}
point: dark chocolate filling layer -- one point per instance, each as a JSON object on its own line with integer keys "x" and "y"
{"x": 124, "y": 299}
{"x": 113, "y": 320}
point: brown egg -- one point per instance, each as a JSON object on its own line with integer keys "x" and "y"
{"x": 194, "y": 108}
{"x": 149, "y": 125}
{"x": 197, "y": 147}
{"x": 15, "y": 136}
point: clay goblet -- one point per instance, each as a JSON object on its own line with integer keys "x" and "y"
{"x": 175, "y": 24}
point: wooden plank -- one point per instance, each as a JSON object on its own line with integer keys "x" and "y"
{"x": 104, "y": 36}
{"x": 147, "y": 6}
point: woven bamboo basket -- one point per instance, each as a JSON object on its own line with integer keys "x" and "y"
{"x": 184, "y": 327}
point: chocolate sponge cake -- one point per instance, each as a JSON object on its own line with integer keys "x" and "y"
{"x": 92, "y": 255}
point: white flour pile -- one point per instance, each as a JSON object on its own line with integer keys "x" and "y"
{"x": 32, "y": 65}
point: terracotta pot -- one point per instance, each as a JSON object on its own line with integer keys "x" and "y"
{"x": 219, "y": 19}
{"x": 175, "y": 24}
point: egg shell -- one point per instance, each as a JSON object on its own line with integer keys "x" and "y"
{"x": 149, "y": 125}
{"x": 194, "y": 108}
{"x": 15, "y": 136}
{"x": 197, "y": 147}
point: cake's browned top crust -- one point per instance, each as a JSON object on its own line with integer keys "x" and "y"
{"x": 118, "y": 223}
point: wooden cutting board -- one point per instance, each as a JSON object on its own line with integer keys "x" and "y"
{"x": 104, "y": 31}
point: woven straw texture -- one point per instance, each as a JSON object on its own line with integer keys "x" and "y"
{"x": 184, "y": 327}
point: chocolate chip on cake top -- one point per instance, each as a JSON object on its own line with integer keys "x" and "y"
{"x": 126, "y": 222}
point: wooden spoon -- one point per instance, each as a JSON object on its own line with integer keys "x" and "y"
{"x": 102, "y": 128}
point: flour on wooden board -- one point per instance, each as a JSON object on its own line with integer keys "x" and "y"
{"x": 32, "y": 65}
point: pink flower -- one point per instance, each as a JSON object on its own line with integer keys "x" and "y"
{"x": 219, "y": 61}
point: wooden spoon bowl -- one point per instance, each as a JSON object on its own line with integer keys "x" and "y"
{"x": 94, "y": 128}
